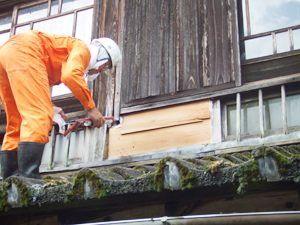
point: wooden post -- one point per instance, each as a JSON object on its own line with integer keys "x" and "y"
{"x": 238, "y": 117}
{"x": 274, "y": 43}
{"x": 52, "y": 147}
{"x": 284, "y": 116}
{"x": 291, "y": 39}
{"x": 67, "y": 148}
{"x": 261, "y": 113}
{"x": 216, "y": 122}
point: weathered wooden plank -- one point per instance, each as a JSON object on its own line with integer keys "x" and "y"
{"x": 235, "y": 48}
{"x": 166, "y": 117}
{"x": 117, "y": 100}
{"x": 274, "y": 67}
{"x": 155, "y": 140}
{"x": 143, "y": 48}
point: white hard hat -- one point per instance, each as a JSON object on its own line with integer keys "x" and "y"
{"x": 111, "y": 47}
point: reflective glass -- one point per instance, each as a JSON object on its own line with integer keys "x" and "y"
{"x": 258, "y": 47}
{"x": 75, "y": 4}
{"x": 293, "y": 110}
{"x": 272, "y": 114}
{"x": 283, "y": 42}
{"x": 32, "y": 13}
{"x": 22, "y": 29}
{"x": 3, "y": 38}
{"x": 231, "y": 120}
{"x": 54, "y": 7}
{"x": 268, "y": 15}
{"x": 249, "y": 118}
{"x": 84, "y": 25}
{"x": 51, "y": 25}
{"x": 5, "y": 23}
{"x": 296, "y": 39}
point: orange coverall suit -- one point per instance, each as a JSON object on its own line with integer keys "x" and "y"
{"x": 30, "y": 63}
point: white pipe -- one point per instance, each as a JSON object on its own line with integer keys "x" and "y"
{"x": 162, "y": 220}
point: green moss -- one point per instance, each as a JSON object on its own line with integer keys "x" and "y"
{"x": 4, "y": 205}
{"x": 159, "y": 177}
{"x": 187, "y": 182}
{"x": 142, "y": 169}
{"x": 248, "y": 173}
{"x": 25, "y": 195}
{"x": 281, "y": 161}
{"x": 78, "y": 186}
{"x": 121, "y": 173}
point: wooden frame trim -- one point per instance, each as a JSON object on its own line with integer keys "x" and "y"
{"x": 270, "y": 57}
{"x": 214, "y": 94}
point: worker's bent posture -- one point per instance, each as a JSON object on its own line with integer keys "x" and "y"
{"x": 30, "y": 63}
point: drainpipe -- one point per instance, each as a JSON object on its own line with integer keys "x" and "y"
{"x": 257, "y": 218}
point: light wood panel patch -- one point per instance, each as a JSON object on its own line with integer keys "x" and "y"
{"x": 159, "y": 139}
{"x": 166, "y": 117}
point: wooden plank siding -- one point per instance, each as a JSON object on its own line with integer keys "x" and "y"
{"x": 176, "y": 46}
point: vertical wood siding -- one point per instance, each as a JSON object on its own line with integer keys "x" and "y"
{"x": 178, "y": 45}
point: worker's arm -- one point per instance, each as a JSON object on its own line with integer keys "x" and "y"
{"x": 73, "y": 75}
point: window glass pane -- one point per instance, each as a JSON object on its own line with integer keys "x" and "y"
{"x": 51, "y": 25}
{"x": 258, "y": 47}
{"x": 249, "y": 118}
{"x": 273, "y": 114}
{"x": 283, "y": 42}
{"x": 32, "y": 13}
{"x": 5, "y": 22}
{"x": 3, "y": 38}
{"x": 75, "y": 4}
{"x": 296, "y": 39}
{"x": 270, "y": 15}
{"x": 54, "y": 7}
{"x": 293, "y": 110}
{"x": 22, "y": 29}
{"x": 84, "y": 25}
{"x": 231, "y": 120}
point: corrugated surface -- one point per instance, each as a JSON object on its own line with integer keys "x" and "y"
{"x": 177, "y": 45}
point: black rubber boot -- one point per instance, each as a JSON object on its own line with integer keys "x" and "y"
{"x": 29, "y": 159}
{"x": 9, "y": 163}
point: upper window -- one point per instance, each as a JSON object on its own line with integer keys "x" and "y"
{"x": 269, "y": 27}
{"x": 5, "y": 24}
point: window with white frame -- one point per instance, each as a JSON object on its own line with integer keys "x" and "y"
{"x": 278, "y": 113}
{"x": 269, "y": 27}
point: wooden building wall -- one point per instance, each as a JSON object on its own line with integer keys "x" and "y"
{"x": 178, "y": 45}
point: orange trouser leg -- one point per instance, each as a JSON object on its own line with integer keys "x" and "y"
{"x": 23, "y": 60}
{"x": 13, "y": 117}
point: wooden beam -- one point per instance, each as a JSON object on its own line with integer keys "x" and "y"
{"x": 215, "y": 94}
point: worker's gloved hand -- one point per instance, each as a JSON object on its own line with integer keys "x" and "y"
{"x": 96, "y": 117}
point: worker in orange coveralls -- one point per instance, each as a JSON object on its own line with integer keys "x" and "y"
{"x": 30, "y": 63}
